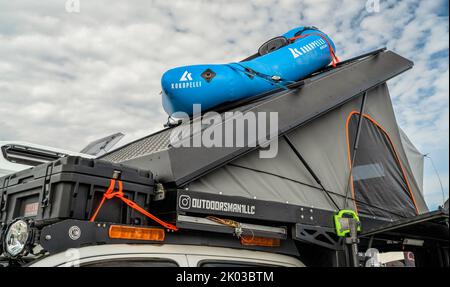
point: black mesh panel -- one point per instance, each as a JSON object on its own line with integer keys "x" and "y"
{"x": 377, "y": 176}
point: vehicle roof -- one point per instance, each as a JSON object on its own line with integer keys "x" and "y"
{"x": 134, "y": 249}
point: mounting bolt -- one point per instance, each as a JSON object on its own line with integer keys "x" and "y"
{"x": 74, "y": 232}
{"x": 312, "y": 218}
{"x": 48, "y": 237}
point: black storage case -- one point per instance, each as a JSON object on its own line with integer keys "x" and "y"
{"x": 72, "y": 187}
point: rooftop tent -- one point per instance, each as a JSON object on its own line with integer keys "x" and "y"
{"x": 382, "y": 182}
{"x": 317, "y": 122}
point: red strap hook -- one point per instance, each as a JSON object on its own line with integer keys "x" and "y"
{"x": 119, "y": 194}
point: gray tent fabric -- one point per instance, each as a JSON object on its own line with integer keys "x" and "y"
{"x": 382, "y": 111}
{"x": 323, "y": 144}
{"x": 415, "y": 159}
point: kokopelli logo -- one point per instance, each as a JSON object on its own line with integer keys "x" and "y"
{"x": 296, "y": 53}
{"x": 186, "y": 77}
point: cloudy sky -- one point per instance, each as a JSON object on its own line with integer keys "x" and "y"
{"x": 69, "y": 76}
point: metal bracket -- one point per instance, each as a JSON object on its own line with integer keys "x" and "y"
{"x": 160, "y": 192}
{"x": 72, "y": 233}
{"x": 322, "y": 236}
{"x": 60, "y": 236}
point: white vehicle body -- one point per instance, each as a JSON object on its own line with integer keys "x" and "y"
{"x": 16, "y": 155}
{"x": 147, "y": 255}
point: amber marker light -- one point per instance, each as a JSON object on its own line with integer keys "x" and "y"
{"x": 136, "y": 233}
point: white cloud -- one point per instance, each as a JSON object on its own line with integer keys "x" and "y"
{"x": 66, "y": 79}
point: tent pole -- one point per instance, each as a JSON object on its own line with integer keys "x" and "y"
{"x": 306, "y": 165}
{"x": 355, "y": 145}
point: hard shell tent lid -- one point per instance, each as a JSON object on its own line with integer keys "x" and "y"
{"x": 315, "y": 117}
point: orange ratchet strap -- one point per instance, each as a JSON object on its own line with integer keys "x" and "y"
{"x": 334, "y": 58}
{"x": 119, "y": 194}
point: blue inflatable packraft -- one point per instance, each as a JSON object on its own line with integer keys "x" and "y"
{"x": 279, "y": 62}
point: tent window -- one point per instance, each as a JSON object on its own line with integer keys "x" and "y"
{"x": 378, "y": 178}
{"x": 368, "y": 171}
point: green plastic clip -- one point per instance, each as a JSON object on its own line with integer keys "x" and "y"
{"x": 342, "y": 227}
